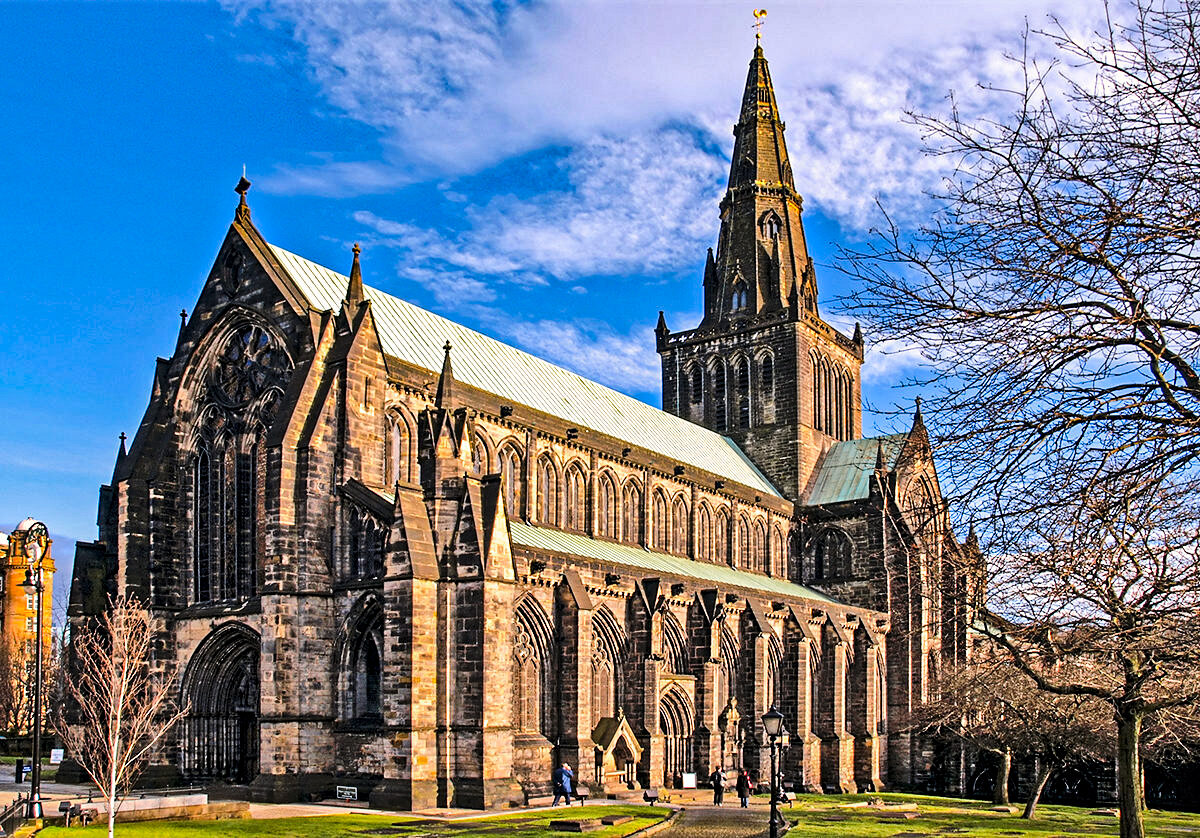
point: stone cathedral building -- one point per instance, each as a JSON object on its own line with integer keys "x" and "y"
{"x": 387, "y": 551}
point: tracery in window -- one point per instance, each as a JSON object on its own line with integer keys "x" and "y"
{"x": 365, "y": 539}
{"x": 249, "y": 363}
{"x": 831, "y": 554}
{"x": 364, "y": 664}
{"x": 532, "y": 667}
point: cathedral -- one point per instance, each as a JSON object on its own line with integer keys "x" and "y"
{"x": 387, "y": 552}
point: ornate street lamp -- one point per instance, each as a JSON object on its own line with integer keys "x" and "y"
{"x": 36, "y": 537}
{"x": 772, "y": 722}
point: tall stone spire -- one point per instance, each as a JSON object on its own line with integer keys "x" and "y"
{"x": 762, "y": 263}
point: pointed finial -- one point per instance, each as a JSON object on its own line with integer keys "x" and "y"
{"x": 661, "y": 328}
{"x": 243, "y": 186}
{"x": 354, "y": 288}
{"x": 917, "y": 415}
{"x": 445, "y": 388}
{"x": 858, "y": 335}
{"x": 122, "y": 437}
{"x": 879, "y": 456}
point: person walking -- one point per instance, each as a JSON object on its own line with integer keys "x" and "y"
{"x": 564, "y": 784}
{"x": 743, "y": 788}
{"x": 718, "y": 784}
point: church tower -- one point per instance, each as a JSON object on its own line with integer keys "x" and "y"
{"x": 763, "y": 367}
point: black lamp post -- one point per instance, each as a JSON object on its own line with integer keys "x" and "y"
{"x": 772, "y": 721}
{"x": 35, "y": 536}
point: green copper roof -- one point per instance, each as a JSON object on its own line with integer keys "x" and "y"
{"x": 653, "y": 563}
{"x": 846, "y": 469}
{"x": 415, "y": 335}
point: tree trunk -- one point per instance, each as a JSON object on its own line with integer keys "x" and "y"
{"x": 1000, "y": 793}
{"x": 1130, "y": 798}
{"x": 1044, "y": 772}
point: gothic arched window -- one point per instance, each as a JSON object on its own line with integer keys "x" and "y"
{"x": 607, "y": 660}
{"x": 721, "y": 538}
{"x": 533, "y": 646}
{"x": 548, "y": 493}
{"x": 631, "y": 513}
{"x": 205, "y": 526}
{"x": 704, "y": 534}
{"x": 365, "y": 542}
{"x": 766, "y": 377}
{"x": 606, "y": 507}
{"x": 512, "y": 475}
{"x": 400, "y": 455}
{"x": 717, "y": 383}
{"x": 777, "y": 563}
{"x": 831, "y": 554}
{"x": 742, "y": 370}
{"x": 364, "y": 665}
{"x": 659, "y": 522}
{"x": 576, "y": 498}
{"x": 758, "y": 559}
{"x": 679, "y": 526}
{"x": 743, "y": 543}
{"x": 696, "y": 384}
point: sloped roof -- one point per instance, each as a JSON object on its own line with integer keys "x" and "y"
{"x": 652, "y": 562}
{"x": 846, "y": 469}
{"x": 416, "y": 336}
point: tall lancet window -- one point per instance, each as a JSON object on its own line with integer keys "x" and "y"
{"x": 743, "y": 393}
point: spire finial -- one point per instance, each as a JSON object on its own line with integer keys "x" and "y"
{"x": 122, "y": 454}
{"x": 243, "y": 186}
{"x": 354, "y": 288}
{"x": 445, "y": 388}
{"x": 918, "y": 400}
{"x": 759, "y": 14}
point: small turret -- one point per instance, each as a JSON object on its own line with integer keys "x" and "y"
{"x": 661, "y": 332}
{"x": 354, "y": 288}
{"x": 445, "y": 388}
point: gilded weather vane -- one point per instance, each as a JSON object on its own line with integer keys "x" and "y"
{"x": 759, "y": 14}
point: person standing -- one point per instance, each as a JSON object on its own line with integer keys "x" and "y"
{"x": 564, "y": 784}
{"x": 718, "y": 784}
{"x": 743, "y": 788}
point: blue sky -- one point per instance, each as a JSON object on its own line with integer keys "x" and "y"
{"x": 545, "y": 172}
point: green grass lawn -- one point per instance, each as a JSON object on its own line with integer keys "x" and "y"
{"x": 820, "y": 816}
{"x": 519, "y": 825}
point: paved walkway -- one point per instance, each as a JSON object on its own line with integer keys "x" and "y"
{"x": 719, "y": 822}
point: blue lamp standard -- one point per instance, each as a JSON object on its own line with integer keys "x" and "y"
{"x": 35, "y": 536}
{"x": 772, "y": 721}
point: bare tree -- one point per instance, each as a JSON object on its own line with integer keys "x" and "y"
{"x": 122, "y": 709}
{"x": 995, "y": 707}
{"x": 1056, "y": 299}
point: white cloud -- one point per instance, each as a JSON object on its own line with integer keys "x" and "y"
{"x": 626, "y": 362}
{"x": 634, "y": 204}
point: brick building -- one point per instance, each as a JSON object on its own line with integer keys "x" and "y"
{"x": 385, "y": 550}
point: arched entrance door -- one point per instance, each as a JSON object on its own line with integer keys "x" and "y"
{"x": 675, "y": 724}
{"x": 220, "y": 733}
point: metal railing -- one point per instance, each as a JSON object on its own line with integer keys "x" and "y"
{"x": 14, "y": 817}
